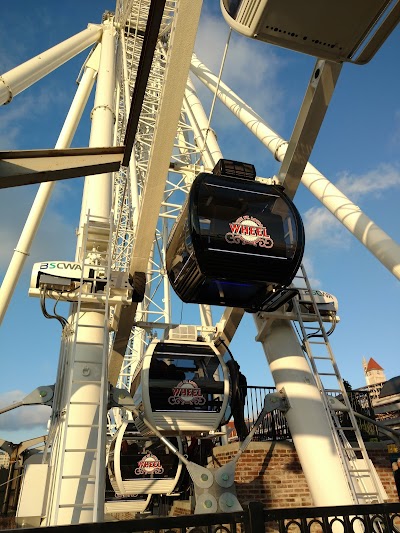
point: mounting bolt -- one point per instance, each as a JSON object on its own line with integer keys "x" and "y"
{"x": 204, "y": 477}
{"x": 229, "y": 503}
{"x": 86, "y": 371}
{"x": 225, "y": 477}
{"x": 208, "y": 504}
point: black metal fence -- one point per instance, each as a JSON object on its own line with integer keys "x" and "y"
{"x": 274, "y": 426}
{"x": 361, "y": 404}
{"x": 376, "y": 518}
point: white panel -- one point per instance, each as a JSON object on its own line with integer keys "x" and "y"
{"x": 153, "y": 486}
{"x": 88, "y": 411}
{"x": 126, "y": 507}
{"x": 81, "y": 393}
{"x": 68, "y": 516}
{"x": 195, "y": 421}
{"x": 91, "y": 354}
{"x": 31, "y": 503}
{"x": 81, "y": 438}
{"x": 77, "y": 463}
{"x": 77, "y": 491}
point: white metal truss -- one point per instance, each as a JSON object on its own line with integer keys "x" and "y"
{"x": 129, "y": 182}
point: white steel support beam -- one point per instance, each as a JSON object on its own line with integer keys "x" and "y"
{"x": 307, "y": 419}
{"x": 43, "y": 195}
{"x": 19, "y": 78}
{"x": 204, "y": 136}
{"x": 27, "y": 167}
{"x": 98, "y": 189}
{"x": 77, "y": 475}
{"x": 379, "y": 243}
{"x": 312, "y": 113}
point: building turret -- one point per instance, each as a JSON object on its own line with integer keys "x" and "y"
{"x": 374, "y": 377}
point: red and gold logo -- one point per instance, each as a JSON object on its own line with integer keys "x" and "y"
{"x": 249, "y": 230}
{"x": 150, "y": 464}
{"x": 186, "y": 392}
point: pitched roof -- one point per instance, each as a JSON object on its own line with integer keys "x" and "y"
{"x": 390, "y": 387}
{"x": 373, "y": 365}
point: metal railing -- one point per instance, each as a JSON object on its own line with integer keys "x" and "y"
{"x": 275, "y": 427}
{"x": 375, "y": 518}
{"x": 360, "y": 401}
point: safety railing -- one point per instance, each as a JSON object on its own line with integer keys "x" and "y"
{"x": 275, "y": 427}
{"x": 375, "y": 518}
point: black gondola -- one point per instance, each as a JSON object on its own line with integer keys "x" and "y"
{"x": 237, "y": 242}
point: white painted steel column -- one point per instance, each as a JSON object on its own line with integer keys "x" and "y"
{"x": 43, "y": 195}
{"x": 99, "y": 187}
{"x": 19, "y": 78}
{"x": 379, "y": 243}
{"x": 97, "y": 191}
{"x": 199, "y": 122}
{"x": 307, "y": 419}
{"x": 80, "y": 498}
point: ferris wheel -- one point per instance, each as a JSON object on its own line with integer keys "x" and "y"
{"x": 165, "y": 219}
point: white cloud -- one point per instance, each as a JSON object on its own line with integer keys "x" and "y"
{"x": 22, "y": 417}
{"x": 311, "y": 274}
{"x": 376, "y": 181}
{"x": 12, "y": 123}
{"x": 319, "y": 223}
{"x": 55, "y": 237}
{"x": 18, "y": 116}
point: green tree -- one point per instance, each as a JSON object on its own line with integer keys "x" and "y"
{"x": 347, "y": 385}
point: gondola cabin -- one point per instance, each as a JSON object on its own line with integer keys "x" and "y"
{"x": 138, "y": 466}
{"x": 335, "y": 30}
{"x": 181, "y": 388}
{"x": 237, "y": 242}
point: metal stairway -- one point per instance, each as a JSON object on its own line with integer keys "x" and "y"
{"x": 362, "y": 478}
{"x": 86, "y": 387}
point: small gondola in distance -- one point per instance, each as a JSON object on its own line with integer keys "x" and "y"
{"x": 139, "y": 466}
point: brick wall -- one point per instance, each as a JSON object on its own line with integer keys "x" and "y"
{"x": 181, "y": 508}
{"x": 270, "y": 472}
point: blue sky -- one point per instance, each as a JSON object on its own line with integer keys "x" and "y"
{"x": 357, "y": 149}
